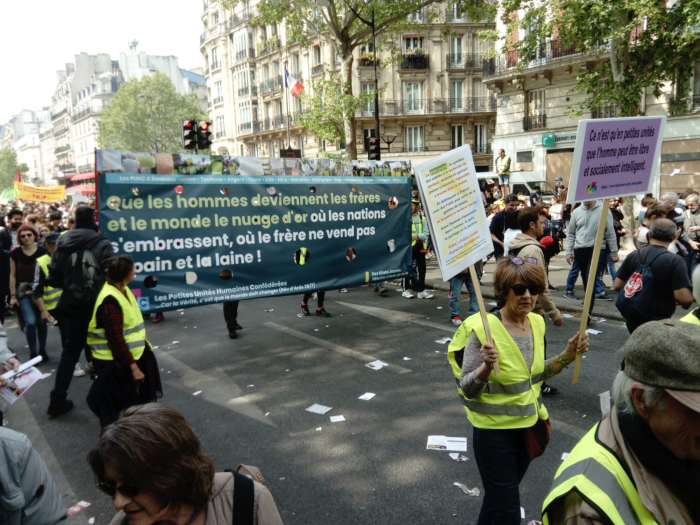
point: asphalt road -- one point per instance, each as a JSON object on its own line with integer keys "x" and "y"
{"x": 371, "y": 469}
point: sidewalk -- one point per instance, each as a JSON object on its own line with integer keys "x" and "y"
{"x": 558, "y": 272}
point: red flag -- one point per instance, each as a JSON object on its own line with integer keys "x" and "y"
{"x": 19, "y": 176}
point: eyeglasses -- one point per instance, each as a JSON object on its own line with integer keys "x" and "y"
{"x": 519, "y": 261}
{"x": 23, "y": 235}
{"x": 519, "y": 289}
{"x": 130, "y": 491}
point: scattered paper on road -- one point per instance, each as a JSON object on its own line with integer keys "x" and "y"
{"x": 593, "y": 332}
{"x": 455, "y": 444}
{"x": 251, "y": 386}
{"x": 91, "y": 521}
{"x": 197, "y": 393}
{"x": 605, "y": 402}
{"x": 337, "y": 419}
{"x": 74, "y": 509}
{"x": 270, "y": 310}
{"x": 459, "y": 458}
{"x": 406, "y": 358}
{"x": 439, "y": 307}
{"x": 567, "y": 316}
{"x": 598, "y": 319}
{"x": 267, "y": 414}
{"x": 175, "y": 342}
{"x": 318, "y": 409}
{"x": 522, "y": 513}
{"x": 319, "y": 429}
{"x": 443, "y": 340}
{"x": 377, "y": 365}
{"x": 469, "y": 492}
{"x": 367, "y": 396}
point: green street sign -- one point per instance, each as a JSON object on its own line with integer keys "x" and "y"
{"x": 547, "y": 140}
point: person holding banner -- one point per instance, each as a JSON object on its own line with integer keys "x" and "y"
{"x": 510, "y": 422}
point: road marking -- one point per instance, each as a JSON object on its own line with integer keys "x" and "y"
{"x": 395, "y": 316}
{"x": 365, "y": 358}
{"x": 29, "y": 426}
{"x": 216, "y": 387}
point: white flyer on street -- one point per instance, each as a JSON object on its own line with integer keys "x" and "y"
{"x": 318, "y": 409}
{"x": 452, "y": 201}
{"x": 453, "y": 444}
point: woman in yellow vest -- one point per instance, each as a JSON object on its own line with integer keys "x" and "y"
{"x": 506, "y": 408}
{"x": 694, "y": 316}
{"x": 125, "y": 368}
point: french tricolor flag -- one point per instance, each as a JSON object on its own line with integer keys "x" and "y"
{"x": 294, "y": 85}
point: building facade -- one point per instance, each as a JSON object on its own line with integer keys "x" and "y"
{"x": 433, "y": 99}
{"x": 533, "y": 96}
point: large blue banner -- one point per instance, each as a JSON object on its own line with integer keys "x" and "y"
{"x": 204, "y": 238}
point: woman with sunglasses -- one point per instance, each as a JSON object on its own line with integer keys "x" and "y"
{"x": 152, "y": 465}
{"x": 506, "y": 409}
{"x": 24, "y": 279}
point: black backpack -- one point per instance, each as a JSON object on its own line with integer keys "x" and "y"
{"x": 244, "y": 493}
{"x": 636, "y": 297}
{"x": 83, "y": 277}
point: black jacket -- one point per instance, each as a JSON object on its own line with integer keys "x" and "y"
{"x": 68, "y": 244}
{"x": 5, "y": 249}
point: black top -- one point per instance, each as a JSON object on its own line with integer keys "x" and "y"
{"x": 498, "y": 227}
{"x": 26, "y": 264}
{"x": 670, "y": 274}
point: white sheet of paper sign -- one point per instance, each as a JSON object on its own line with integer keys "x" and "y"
{"x": 593, "y": 332}
{"x": 377, "y": 365}
{"x": 459, "y": 458}
{"x": 566, "y": 316}
{"x": 406, "y": 358}
{"x": 453, "y": 444}
{"x": 337, "y": 419}
{"x": 605, "y": 403}
{"x": 318, "y": 409}
{"x": 367, "y": 396}
{"x": 522, "y": 513}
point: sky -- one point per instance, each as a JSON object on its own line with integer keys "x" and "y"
{"x": 41, "y": 36}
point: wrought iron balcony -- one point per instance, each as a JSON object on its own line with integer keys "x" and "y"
{"x": 218, "y": 100}
{"x": 60, "y": 132}
{"x": 453, "y": 15}
{"x": 86, "y": 112}
{"x": 465, "y": 61}
{"x": 430, "y": 106}
{"x": 272, "y": 84}
{"x": 415, "y": 61}
{"x": 317, "y": 69}
{"x": 243, "y": 54}
{"x": 535, "y": 122}
{"x": 418, "y": 17}
{"x": 66, "y": 167}
{"x": 249, "y": 127}
{"x": 240, "y": 17}
{"x": 683, "y": 106}
{"x": 268, "y": 46}
{"x": 482, "y": 149}
{"x": 366, "y": 61}
{"x": 61, "y": 149}
{"x": 86, "y": 168}
{"x": 604, "y": 112}
{"x": 56, "y": 116}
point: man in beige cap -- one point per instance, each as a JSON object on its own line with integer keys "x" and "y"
{"x": 641, "y": 463}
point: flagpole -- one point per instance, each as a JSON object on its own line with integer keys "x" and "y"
{"x": 286, "y": 100}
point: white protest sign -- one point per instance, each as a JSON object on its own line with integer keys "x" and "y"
{"x": 454, "y": 209}
{"x": 615, "y": 157}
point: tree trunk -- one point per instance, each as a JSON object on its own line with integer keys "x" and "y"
{"x": 349, "y": 122}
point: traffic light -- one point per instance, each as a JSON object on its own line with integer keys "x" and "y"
{"x": 374, "y": 149}
{"x": 189, "y": 134}
{"x": 203, "y": 134}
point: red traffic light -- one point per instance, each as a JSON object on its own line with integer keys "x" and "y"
{"x": 188, "y": 124}
{"x": 203, "y": 126}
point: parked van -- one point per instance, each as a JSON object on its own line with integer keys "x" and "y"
{"x": 521, "y": 182}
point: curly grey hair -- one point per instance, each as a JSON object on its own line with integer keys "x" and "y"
{"x": 654, "y": 397}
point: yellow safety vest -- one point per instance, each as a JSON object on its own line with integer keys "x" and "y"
{"x": 691, "y": 318}
{"x": 133, "y": 329}
{"x": 413, "y": 228}
{"x": 596, "y": 474}
{"x": 51, "y": 295}
{"x": 502, "y": 162}
{"x": 512, "y": 399}
{"x": 302, "y": 255}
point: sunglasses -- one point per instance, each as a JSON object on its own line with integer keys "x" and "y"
{"x": 519, "y": 261}
{"x": 22, "y": 236}
{"x": 110, "y": 489}
{"x": 519, "y": 289}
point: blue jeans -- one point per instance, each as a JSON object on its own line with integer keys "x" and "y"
{"x": 502, "y": 460}
{"x": 584, "y": 257}
{"x": 76, "y": 328}
{"x": 611, "y": 270}
{"x": 456, "y": 288}
{"x": 33, "y": 324}
{"x": 573, "y": 276}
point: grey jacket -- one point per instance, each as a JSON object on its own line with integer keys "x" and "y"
{"x": 22, "y": 473}
{"x": 583, "y": 228}
{"x": 5, "y": 353}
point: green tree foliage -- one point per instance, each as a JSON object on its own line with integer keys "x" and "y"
{"x": 147, "y": 112}
{"x": 8, "y": 168}
{"x": 339, "y": 27}
{"x": 328, "y": 108}
{"x": 633, "y": 45}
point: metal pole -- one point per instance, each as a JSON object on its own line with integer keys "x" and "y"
{"x": 376, "y": 80}
{"x": 286, "y": 101}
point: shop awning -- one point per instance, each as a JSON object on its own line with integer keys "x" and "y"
{"x": 83, "y": 176}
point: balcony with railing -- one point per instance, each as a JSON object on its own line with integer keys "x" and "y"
{"x": 609, "y": 111}
{"x": 273, "y": 84}
{"x": 435, "y": 106}
{"x": 218, "y": 100}
{"x": 454, "y": 15}
{"x": 243, "y": 54}
{"x": 535, "y": 122}
{"x": 464, "y": 61}
{"x": 247, "y": 90}
{"x": 415, "y": 61}
{"x": 240, "y": 17}
{"x": 268, "y": 46}
{"x": 61, "y": 149}
{"x": 482, "y": 149}
{"x": 56, "y": 116}
{"x": 683, "y": 105}
{"x": 86, "y": 168}
{"x": 87, "y": 111}
{"x": 60, "y": 132}
{"x": 66, "y": 167}
{"x": 317, "y": 69}
{"x": 541, "y": 54}
{"x": 247, "y": 128}
{"x": 418, "y": 17}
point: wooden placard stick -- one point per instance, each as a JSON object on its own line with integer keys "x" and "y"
{"x": 482, "y": 311}
{"x": 590, "y": 285}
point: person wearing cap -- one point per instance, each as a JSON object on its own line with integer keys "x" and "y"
{"x": 641, "y": 463}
